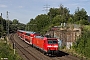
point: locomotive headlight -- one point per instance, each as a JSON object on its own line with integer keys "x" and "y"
{"x": 55, "y": 46}
{"x": 49, "y": 46}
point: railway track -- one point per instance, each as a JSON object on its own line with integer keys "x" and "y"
{"x": 23, "y": 50}
{"x": 64, "y": 56}
{"x": 27, "y": 52}
{"x": 30, "y": 53}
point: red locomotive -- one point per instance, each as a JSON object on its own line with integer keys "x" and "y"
{"x": 47, "y": 45}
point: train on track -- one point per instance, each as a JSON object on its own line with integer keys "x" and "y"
{"x": 43, "y": 43}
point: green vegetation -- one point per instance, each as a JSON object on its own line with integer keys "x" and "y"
{"x": 55, "y": 17}
{"x": 13, "y": 26}
{"x": 7, "y": 52}
{"x": 5, "y": 49}
{"x": 82, "y": 45}
{"x": 42, "y": 23}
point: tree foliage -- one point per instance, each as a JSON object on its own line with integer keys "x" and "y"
{"x": 82, "y": 45}
{"x": 62, "y": 11}
{"x": 2, "y": 26}
{"x": 39, "y": 23}
{"x": 15, "y": 21}
{"x": 7, "y": 52}
{"x": 80, "y": 15}
{"x": 12, "y": 25}
{"x": 55, "y": 17}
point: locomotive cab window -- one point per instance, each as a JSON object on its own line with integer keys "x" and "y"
{"x": 28, "y": 34}
{"x": 52, "y": 42}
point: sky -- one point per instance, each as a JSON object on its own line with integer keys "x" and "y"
{"x": 24, "y": 10}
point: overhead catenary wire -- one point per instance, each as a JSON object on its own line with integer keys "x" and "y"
{"x": 46, "y": 8}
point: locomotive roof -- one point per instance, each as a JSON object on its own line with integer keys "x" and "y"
{"x": 21, "y": 30}
{"x": 29, "y": 32}
{"x": 39, "y": 37}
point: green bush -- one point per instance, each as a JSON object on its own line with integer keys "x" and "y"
{"x": 7, "y": 52}
{"x": 82, "y": 45}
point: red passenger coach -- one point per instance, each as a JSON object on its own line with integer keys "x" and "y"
{"x": 29, "y": 37}
{"x": 19, "y": 33}
{"x": 23, "y": 35}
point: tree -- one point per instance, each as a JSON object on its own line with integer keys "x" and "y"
{"x": 82, "y": 45}
{"x": 61, "y": 11}
{"x": 2, "y": 26}
{"x": 56, "y": 16}
{"x": 41, "y": 21}
{"x": 80, "y": 15}
{"x": 15, "y": 21}
{"x": 70, "y": 20}
{"x": 57, "y": 20}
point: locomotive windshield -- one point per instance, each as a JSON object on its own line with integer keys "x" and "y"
{"x": 52, "y": 42}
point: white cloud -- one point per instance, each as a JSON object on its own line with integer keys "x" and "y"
{"x": 84, "y": 0}
{"x": 20, "y": 6}
{"x": 3, "y": 6}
